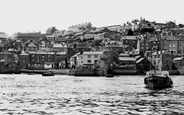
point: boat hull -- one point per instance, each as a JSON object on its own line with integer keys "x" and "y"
{"x": 157, "y": 82}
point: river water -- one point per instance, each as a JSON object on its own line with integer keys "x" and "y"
{"x": 68, "y": 95}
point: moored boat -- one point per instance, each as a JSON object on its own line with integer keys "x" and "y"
{"x": 109, "y": 75}
{"x": 157, "y": 79}
{"x": 48, "y": 73}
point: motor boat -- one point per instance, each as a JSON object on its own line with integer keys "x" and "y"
{"x": 157, "y": 79}
{"x": 48, "y": 73}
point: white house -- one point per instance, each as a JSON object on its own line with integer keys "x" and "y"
{"x": 85, "y": 58}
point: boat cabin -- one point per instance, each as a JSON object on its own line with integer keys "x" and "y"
{"x": 158, "y": 72}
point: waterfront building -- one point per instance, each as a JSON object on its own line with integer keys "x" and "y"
{"x": 3, "y": 40}
{"x": 85, "y": 58}
{"x": 6, "y": 57}
{"x": 24, "y": 59}
{"x": 124, "y": 65}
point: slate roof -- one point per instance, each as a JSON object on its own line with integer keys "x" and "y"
{"x": 32, "y": 45}
{"x": 126, "y": 59}
{"x": 178, "y": 59}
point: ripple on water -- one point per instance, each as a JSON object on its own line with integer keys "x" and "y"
{"x": 84, "y": 95}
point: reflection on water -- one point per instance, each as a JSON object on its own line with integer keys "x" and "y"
{"x": 121, "y": 95}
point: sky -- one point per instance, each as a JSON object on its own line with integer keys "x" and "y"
{"x": 39, "y": 15}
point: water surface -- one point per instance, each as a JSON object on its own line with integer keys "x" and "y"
{"x": 61, "y": 94}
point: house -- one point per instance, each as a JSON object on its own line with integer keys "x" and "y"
{"x": 178, "y": 61}
{"x": 6, "y": 56}
{"x": 162, "y": 60}
{"x": 34, "y": 36}
{"x": 44, "y": 45}
{"x": 124, "y": 65}
{"x": 85, "y": 58}
{"x": 40, "y": 58}
{"x": 24, "y": 59}
{"x": 31, "y": 47}
{"x": 143, "y": 64}
{"x": 130, "y": 41}
{"x": 171, "y": 43}
{"x": 3, "y": 40}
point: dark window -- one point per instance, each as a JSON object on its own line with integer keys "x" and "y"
{"x": 89, "y": 61}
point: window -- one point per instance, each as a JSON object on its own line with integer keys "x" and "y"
{"x": 96, "y": 56}
{"x": 89, "y": 61}
{"x": 89, "y": 56}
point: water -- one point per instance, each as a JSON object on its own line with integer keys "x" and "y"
{"x": 61, "y": 94}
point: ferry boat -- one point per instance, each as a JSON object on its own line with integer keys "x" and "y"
{"x": 157, "y": 79}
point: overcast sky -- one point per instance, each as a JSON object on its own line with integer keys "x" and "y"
{"x": 38, "y": 15}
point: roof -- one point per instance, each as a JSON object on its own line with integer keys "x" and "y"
{"x": 137, "y": 57}
{"x": 92, "y": 52}
{"x": 123, "y": 55}
{"x": 126, "y": 58}
{"x": 59, "y": 45}
{"x": 138, "y": 61}
{"x": 170, "y": 37}
{"x": 178, "y": 59}
{"x": 23, "y": 53}
{"x": 3, "y": 35}
{"x": 5, "y": 52}
{"x": 163, "y": 51}
{"x": 32, "y": 45}
{"x": 75, "y": 55}
{"x": 130, "y": 37}
{"x": 28, "y": 35}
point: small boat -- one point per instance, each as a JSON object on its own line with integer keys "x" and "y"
{"x": 48, "y": 73}
{"x": 31, "y": 73}
{"x": 157, "y": 79}
{"x": 109, "y": 75}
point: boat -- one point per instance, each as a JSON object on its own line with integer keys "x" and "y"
{"x": 157, "y": 79}
{"x": 48, "y": 73}
{"x": 109, "y": 75}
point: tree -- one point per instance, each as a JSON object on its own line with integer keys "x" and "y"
{"x": 181, "y": 25}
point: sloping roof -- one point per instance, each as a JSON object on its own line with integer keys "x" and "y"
{"x": 3, "y": 35}
{"x": 137, "y": 57}
{"x": 28, "y": 35}
{"x": 178, "y": 59}
{"x": 126, "y": 58}
{"x": 32, "y": 45}
{"x": 163, "y": 52}
{"x": 138, "y": 61}
{"x": 130, "y": 37}
{"x": 123, "y": 55}
{"x": 5, "y": 52}
{"x": 58, "y": 45}
{"x": 75, "y": 55}
{"x": 92, "y": 52}
{"x": 23, "y": 53}
{"x": 170, "y": 37}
